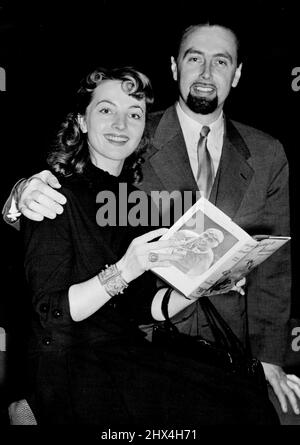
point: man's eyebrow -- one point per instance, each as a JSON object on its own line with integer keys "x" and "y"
{"x": 192, "y": 51}
{"x": 225, "y": 54}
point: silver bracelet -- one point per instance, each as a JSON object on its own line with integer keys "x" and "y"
{"x": 112, "y": 280}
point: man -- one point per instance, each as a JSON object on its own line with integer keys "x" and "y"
{"x": 197, "y": 251}
{"x": 250, "y": 184}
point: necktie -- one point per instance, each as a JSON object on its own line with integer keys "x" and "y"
{"x": 205, "y": 174}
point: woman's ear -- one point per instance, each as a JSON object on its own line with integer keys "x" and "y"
{"x": 82, "y": 123}
{"x": 174, "y": 69}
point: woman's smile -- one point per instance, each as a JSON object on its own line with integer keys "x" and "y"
{"x": 118, "y": 139}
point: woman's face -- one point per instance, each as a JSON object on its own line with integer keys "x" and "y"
{"x": 114, "y": 122}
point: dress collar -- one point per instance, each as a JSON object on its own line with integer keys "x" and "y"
{"x": 95, "y": 176}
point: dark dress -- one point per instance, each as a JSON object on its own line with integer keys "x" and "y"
{"x": 102, "y": 370}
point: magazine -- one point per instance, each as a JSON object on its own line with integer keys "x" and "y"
{"x": 215, "y": 252}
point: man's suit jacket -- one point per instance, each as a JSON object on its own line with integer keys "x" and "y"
{"x": 251, "y": 187}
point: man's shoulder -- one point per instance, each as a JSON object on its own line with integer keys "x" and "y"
{"x": 261, "y": 145}
{"x": 253, "y": 134}
{"x": 154, "y": 118}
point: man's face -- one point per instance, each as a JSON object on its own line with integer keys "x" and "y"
{"x": 205, "y": 241}
{"x": 206, "y": 69}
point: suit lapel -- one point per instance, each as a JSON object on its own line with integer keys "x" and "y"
{"x": 171, "y": 162}
{"x": 234, "y": 174}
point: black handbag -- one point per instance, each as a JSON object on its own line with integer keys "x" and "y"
{"x": 227, "y": 351}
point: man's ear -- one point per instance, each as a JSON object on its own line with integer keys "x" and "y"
{"x": 174, "y": 69}
{"x": 237, "y": 75}
{"x": 82, "y": 123}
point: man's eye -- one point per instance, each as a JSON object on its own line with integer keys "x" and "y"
{"x": 221, "y": 62}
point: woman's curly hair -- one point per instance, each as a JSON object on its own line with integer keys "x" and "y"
{"x": 70, "y": 152}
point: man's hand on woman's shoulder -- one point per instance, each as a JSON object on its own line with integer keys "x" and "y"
{"x": 37, "y": 198}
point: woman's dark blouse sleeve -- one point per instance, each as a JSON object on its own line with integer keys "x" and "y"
{"x": 53, "y": 258}
{"x": 49, "y": 267}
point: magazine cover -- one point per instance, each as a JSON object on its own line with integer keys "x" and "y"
{"x": 216, "y": 252}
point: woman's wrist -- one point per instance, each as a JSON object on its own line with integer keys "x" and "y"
{"x": 112, "y": 280}
{"x": 121, "y": 267}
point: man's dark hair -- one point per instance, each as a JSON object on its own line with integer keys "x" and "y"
{"x": 212, "y": 19}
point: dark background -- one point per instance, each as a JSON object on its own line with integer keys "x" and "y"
{"x": 46, "y": 47}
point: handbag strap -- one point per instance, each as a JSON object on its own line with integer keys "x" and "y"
{"x": 223, "y": 334}
{"x": 165, "y": 311}
{"x": 165, "y": 302}
{"x": 220, "y": 338}
{"x": 214, "y": 323}
{"x": 231, "y": 340}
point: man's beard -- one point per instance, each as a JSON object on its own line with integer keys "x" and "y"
{"x": 202, "y": 105}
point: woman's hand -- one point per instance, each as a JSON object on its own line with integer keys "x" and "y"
{"x": 137, "y": 260}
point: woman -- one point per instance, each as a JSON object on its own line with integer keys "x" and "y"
{"x": 88, "y": 361}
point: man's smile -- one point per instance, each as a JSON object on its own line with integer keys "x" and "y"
{"x": 202, "y": 88}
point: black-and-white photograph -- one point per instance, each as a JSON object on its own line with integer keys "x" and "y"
{"x": 162, "y": 97}
{"x": 199, "y": 251}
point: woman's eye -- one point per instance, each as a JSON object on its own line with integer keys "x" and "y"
{"x": 195, "y": 59}
{"x": 135, "y": 116}
{"x": 105, "y": 111}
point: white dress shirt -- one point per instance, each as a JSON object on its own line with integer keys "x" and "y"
{"x": 191, "y": 131}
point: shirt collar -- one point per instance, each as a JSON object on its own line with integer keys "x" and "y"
{"x": 186, "y": 121}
